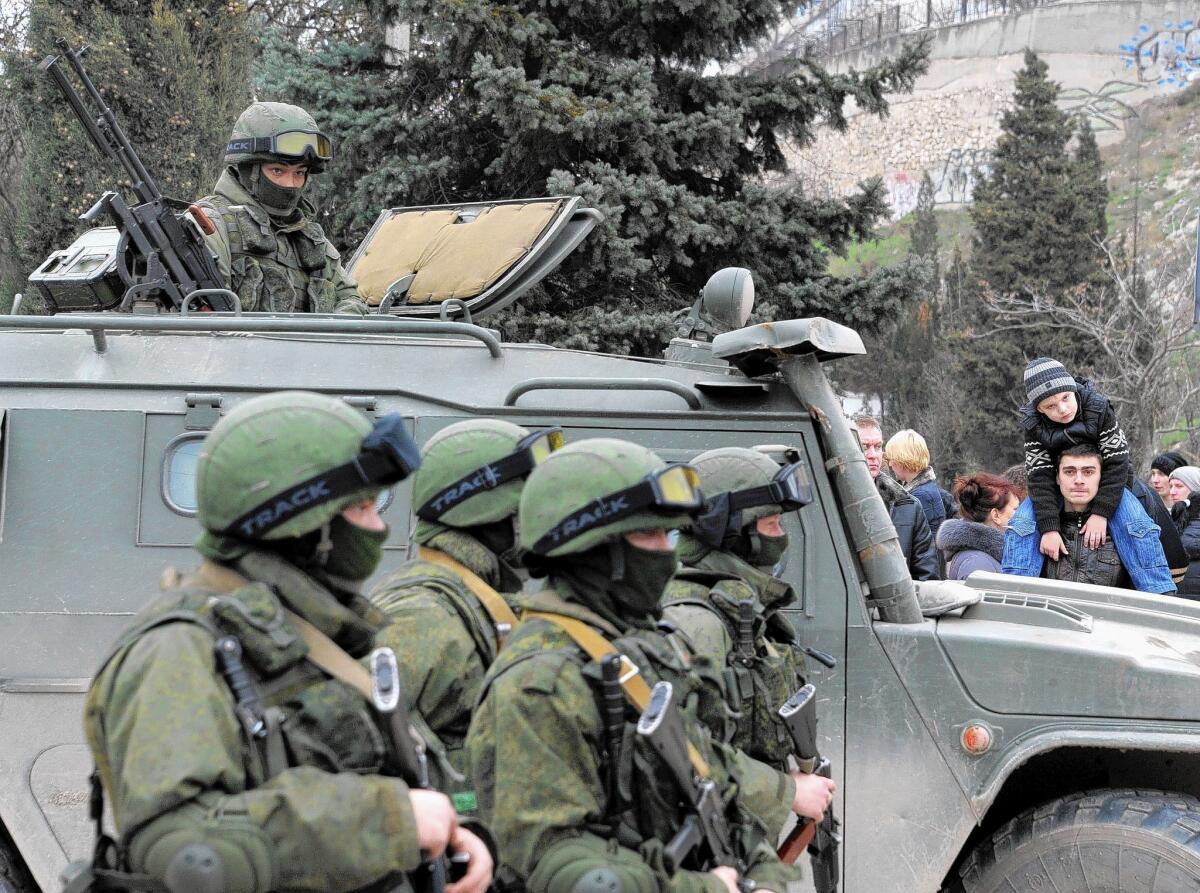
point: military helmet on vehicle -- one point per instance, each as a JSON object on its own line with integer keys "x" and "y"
{"x": 276, "y": 131}
{"x": 472, "y": 472}
{"x": 287, "y": 463}
{"x": 593, "y": 491}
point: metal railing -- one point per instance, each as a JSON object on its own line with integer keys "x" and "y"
{"x": 838, "y": 26}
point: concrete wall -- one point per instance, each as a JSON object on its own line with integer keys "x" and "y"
{"x": 1109, "y": 56}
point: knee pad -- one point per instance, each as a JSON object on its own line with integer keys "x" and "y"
{"x": 192, "y": 849}
{"x": 590, "y": 864}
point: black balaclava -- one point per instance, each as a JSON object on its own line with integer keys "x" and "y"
{"x": 500, "y": 537}
{"x": 756, "y": 548}
{"x": 340, "y": 555}
{"x": 280, "y": 201}
{"x": 620, "y": 582}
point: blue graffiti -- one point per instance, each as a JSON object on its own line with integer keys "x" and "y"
{"x": 1168, "y": 56}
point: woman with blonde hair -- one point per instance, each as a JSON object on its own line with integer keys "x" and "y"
{"x": 908, "y": 456}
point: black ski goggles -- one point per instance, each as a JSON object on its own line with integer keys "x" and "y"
{"x": 387, "y": 456}
{"x": 669, "y": 490}
{"x": 531, "y": 452}
{"x": 789, "y": 489}
{"x": 308, "y": 145}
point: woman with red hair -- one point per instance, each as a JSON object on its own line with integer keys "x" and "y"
{"x": 974, "y": 541}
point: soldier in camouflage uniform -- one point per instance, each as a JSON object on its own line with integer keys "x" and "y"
{"x": 728, "y": 604}
{"x": 581, "y": 808}
{"x": 266, "y": 239}
{"x": 237, "y": 753}
{"x": 449, "y": 606}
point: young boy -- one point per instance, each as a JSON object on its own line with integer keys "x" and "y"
{"x": 1063, "y": 411}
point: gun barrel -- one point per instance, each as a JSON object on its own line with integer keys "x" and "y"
{"x": 120, "y": 147}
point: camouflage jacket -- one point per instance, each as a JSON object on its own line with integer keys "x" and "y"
{"x": 176, "y": 764}
{"x": 763, "y": 666}
{"x": 276, "y": 267}
{"x": 443, "y": 638}
{"x": 539, "y": 757}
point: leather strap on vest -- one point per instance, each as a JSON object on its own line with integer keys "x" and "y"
{"x": 503, "y": 618}
{"x": 637, "y": 692}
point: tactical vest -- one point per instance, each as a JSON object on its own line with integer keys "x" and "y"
{"x": 485, "y": 616}
{"x": 763, "y": 668}
{"x": 309, "y": 719}
{"x": 276, "y": 271}
{"x": 642, "y": 804}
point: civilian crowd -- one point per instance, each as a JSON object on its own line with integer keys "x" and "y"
{"x": 1073, "y": 511}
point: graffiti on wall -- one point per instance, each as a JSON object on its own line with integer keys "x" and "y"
{"x": 1101, "y": 107}
{"x": 953, "y": 183}
{"x": 1168, "y": 56}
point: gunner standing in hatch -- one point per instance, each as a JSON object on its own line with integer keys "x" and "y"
{"x": 265, "y": 237}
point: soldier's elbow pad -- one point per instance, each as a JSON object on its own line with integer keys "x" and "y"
{"x": 191, "y": 848}
{"x": 590, "y": 864}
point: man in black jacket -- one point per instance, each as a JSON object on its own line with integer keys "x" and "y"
{"x": 916, "y": 539}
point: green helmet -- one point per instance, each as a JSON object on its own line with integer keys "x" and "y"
{"x": 728, "y": 469}
{"x": 593, "y": 491}
{"x": 464, "y": 479}
{"x": 276, "y": 131}
{"x": 257, "y": 457}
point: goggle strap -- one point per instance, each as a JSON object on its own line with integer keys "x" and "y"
{"x": 486, "y": 477}
{"x": 753, "y": 496}
{"x": 370, "y": 468}
{"x": 605, "y": 510}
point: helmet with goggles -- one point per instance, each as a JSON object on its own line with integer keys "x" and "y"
{"x": 594, "y": 491}
{"x": 742, "y": 485}
{"x": 285, "y": 464}
{"x": 276, "y": 131}
{"x": 472, "y": 472}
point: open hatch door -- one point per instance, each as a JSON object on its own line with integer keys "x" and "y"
{"x": 485, "y": 254}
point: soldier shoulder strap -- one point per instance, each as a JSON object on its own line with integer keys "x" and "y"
{"x": 503, "y": 618}
{"x": 637, "y": 692}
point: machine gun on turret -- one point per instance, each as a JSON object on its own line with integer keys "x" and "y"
{"x": 155, "y": 250}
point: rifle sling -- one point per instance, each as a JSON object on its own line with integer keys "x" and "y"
{"x": 503, "y": 618}
{"x": 637, "y": 692}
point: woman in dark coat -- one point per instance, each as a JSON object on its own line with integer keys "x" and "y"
{"x": 1185, "y": 490}
{"x": 974, "y": 541}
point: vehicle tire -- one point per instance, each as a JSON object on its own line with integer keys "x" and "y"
{"x": 14, "y": 877}
{"x": 1108, "y": 841}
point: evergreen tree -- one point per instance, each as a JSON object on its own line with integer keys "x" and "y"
{"x": 176, "y": 74}
{"x": 924, "y": 242}
{"x": 618, "y": 103}
{"x": 1039, "y": 212}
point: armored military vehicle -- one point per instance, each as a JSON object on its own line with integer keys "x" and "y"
{"x": 1029, "y": 736}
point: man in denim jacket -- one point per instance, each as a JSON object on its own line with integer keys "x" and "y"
{"x": 1131, "y": 555}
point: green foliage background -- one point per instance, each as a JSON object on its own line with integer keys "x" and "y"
{"x": 175, "y": 72}
{"x": 620, "y": 104}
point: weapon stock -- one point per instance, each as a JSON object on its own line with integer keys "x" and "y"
{"x": 160, "y": 255}
{"x": 821, "y": 839}
{"x": 388, "y": 699}
{"x": 662, "y": 726}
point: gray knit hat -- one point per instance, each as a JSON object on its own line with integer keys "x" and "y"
{"x": 1189, "y": 475}
{"x": 1045, "y": 377}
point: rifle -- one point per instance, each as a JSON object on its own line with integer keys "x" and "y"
{"x": 821, "y": 839}
{"x": 388, "y": 699}
{"x": 705, "y": 825}
{"x": 160, "y": 255}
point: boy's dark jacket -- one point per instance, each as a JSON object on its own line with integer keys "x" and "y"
{"x": 1095, "y": 423}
